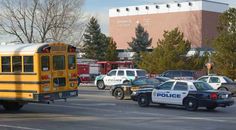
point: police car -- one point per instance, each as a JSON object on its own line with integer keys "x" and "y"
{"x": 118, "y": 76}
{"x": 190, "y": 94}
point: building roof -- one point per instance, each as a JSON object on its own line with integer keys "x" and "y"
{"x": 199, "y": 5}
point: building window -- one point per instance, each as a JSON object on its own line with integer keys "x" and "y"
{"x": 157, "y": 7}
{"x": 117, "y": 10}
{"x": 137, "y": 8}
{"x": 179, "y": 5}
{"x": 127, "y": 9}
{"x": 168, "y": 6}
{"x": 190, "y": 4}
{"x": 147, "y": 8}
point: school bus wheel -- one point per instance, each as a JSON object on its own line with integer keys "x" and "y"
{"x": 12, "y": 106}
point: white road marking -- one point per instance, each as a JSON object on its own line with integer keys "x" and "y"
{"x": 19, "y": 127}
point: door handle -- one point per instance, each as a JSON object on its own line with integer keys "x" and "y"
{"x": 167, "y": 92}
{"x": 184, "y": 93}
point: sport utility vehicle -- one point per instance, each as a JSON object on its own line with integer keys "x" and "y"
{"x": 118, "y": 76}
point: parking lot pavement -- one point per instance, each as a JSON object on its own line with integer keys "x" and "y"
{"x": 97, "y": 110}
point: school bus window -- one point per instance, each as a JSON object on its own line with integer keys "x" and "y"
{"x": 45, "y": 64}
{"x": 71, "y": 60}
{"x": 17, "y": 63}
{"x": 28, "y": 64}
{"x": 59, "y": 62}
{"x": 6, "y": 64}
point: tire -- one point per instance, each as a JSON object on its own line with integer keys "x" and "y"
{"x": 222, "y": 89}
{"x": 12, "y": 106}
{"x": 119, "y": 93}
{"x": 143, "y": 100}
{"x": 191, "y": 104}
{"x": 100, "y": 85}
{"x": 211, "y": 108}
{"x": 79, "y": 81}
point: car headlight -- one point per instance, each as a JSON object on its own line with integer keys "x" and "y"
{"x": 134, "y": 93}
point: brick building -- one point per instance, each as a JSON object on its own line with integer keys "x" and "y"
{"x": 196, "y": 19}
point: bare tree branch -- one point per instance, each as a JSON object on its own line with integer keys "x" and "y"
{"x": 42, "y": 20}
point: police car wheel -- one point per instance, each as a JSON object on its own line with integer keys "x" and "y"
{"x": 100, "y": 85}
{"x": 191, "y": 104}
{"x": 119, "y": 93}
{"x": 211, "y": 108}
{"x": 222, "y": 89}
{"x": 143, "y": 100}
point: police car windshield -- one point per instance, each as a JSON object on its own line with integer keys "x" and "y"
{"x": 202, "y": 86}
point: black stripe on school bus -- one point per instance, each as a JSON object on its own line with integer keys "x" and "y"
{"x": 18, "y": 99}
{"x": 8, "y": 73}
{"x": 18, "y": 91}
{"x": 24, "y": 82}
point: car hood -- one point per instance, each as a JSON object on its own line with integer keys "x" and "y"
{"x": 100, "y": 77}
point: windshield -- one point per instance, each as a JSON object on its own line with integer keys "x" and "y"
{"x": 202, "y": 86}
{"x": 228, "y": 80}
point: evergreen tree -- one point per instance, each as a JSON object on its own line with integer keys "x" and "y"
{"x": 169, "y": 53}
{"x": 95, "y": 43}
{"x": 111, "y": 53}
{"x": 225, "y": 45}
{"x": 140, "y": 42}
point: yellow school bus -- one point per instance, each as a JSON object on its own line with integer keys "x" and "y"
{"x": 38, "y": 73}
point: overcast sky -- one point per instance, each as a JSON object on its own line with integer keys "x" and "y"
{"x": 100, "y": 8}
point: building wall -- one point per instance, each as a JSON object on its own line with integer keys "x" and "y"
{"x": 197, "y": 20}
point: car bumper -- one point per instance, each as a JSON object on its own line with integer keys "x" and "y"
{"x": 134, "y": 96}
{"x": 216, "y": 103}
{"x": 55, "y": 96}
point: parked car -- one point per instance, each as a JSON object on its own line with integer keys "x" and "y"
{"x": 179, "y": 74}
{"x": 222, "y": 83}
{"x": 121, "y": 91}
{"x": 118, "y": 76}
{"x": 188, "y": 93}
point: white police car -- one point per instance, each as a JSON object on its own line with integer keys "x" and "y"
{"x": 118, "y": 76}
{"x": 190, "y": 94}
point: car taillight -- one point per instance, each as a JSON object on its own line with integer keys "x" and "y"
{"x": 213, "y": 96}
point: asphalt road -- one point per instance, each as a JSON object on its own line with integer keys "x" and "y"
{"x": 97, "y": 110}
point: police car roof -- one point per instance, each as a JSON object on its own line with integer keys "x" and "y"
{"x": 189, "y": 81}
